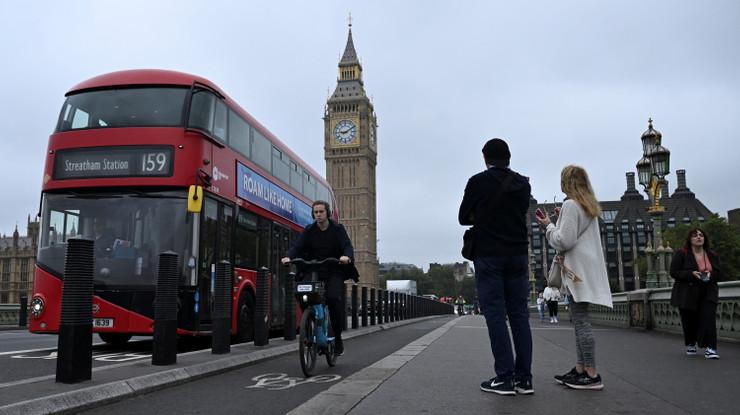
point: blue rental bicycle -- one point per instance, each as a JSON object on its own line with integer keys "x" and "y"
{"x": 313, "y": 334}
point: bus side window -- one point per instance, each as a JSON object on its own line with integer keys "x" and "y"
{"x": 219, "y": 122}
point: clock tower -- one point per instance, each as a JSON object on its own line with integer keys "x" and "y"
{"x": 350, "y": 151}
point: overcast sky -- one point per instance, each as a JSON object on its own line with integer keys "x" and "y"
{"x": 562, "y": 81}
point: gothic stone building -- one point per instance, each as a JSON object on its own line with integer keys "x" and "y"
{"x": 351, "y": 151}
{"x": 17, "y": 262}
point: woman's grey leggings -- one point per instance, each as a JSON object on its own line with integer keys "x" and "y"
{"x": 585, "y": 343}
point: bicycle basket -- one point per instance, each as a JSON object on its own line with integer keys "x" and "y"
{"x": 314, "y": 291}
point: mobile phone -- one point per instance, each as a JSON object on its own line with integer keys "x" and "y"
{"x": 539, "y": 213}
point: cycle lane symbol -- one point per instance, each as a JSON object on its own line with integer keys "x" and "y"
{"x": 281, "y": 381}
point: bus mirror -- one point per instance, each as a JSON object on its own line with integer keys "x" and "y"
{"x": 195, "y": 199}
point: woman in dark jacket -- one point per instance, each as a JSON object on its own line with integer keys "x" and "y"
{"x": 696, "y": 270}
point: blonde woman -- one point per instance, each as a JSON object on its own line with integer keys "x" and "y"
{"x": 576, "y": 236}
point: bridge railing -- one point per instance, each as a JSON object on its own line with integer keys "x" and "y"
{"x": 651, "y": 309}
{"x": 9, "y": 314}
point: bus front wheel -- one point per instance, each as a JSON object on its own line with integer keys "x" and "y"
{"x": 245, "y": 318}
{"x": 115, "y": 339}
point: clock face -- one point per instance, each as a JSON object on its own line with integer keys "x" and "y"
{"x": 345, "y": 131}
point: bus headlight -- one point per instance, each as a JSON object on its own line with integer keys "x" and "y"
{"x": 37, "y": 306}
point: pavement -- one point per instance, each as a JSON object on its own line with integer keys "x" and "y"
{"x": 644, "y": 372}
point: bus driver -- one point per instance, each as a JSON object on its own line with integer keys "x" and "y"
{"x": 103, "y": 237}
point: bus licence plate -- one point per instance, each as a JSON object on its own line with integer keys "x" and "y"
{"x": 305, "y": 288}
{"x": 103, "y": 322}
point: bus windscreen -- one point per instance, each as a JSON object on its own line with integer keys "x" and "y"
{"x": 123, "y": 107}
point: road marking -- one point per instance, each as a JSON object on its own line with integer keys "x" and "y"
{"x": 104, "y": 357}
{"x": 281, "y": 381}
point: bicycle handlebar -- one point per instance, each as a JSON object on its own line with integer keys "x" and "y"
{"x": 301, "y": 261}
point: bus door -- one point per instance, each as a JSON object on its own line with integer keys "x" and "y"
{"x": 215, "y": 246}
{"x": 279, "y": 245}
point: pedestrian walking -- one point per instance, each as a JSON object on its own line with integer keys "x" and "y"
{"x": 577, "y": 239}
{"x": 541, "y": 306}
{"x": 696, "y": 270}
{"x": 552, "y": 297}
{"x": 496, "y": 202}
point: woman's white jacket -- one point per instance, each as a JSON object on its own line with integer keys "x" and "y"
{"x": 576, "y": 236}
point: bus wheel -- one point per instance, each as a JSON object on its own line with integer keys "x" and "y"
{"x": 115, "y": 339}
{"x": 245, "y": 318}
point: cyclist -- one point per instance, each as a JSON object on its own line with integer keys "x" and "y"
{"x": 460, "y": 305}
{"x": 328, "y": 239}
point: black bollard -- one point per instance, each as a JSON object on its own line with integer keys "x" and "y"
{"x": 290, "y": 323}
{"x": 74, "y": 344}
{"x": 164, "y": 343}
{"x": 386, "y": 306}
{"x": 262, "y": 303}
{"x": 373, "y": 307}
{"x": 354, "y": 306}
{"x": 221, "y": 339}
{"x": 23, "y": 311}
{"x": 363, "y": 299}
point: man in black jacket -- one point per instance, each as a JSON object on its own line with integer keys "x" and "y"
{"x": 496, "y": 202}
{"x": 327, "y": 239}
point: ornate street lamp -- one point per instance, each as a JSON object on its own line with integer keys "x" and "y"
{"x": 651, "y": 171}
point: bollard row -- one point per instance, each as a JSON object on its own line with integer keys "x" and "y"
{"x": 382, "y": 306}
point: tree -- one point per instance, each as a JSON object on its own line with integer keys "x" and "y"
{"x": 724, "y": 239}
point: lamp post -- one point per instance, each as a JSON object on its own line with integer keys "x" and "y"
{"x": 532, "y": 285}
{"x": 651, "y": 171}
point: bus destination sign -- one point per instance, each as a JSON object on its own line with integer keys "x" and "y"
{"x": 101, "y": 162}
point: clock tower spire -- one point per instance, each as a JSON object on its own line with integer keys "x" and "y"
{"x": 350, "y": 151}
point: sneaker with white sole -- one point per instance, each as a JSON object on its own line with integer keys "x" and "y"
{"x": 691, "y": 350}
{"x": 524, "y": 387}
{"x": 496, "y": 385}
{"x": 573, "y": 373}
{"x": 585, "y": 382}
{"x": 710, "y": 353}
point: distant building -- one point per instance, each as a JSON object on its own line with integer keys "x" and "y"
{"x": 733, "y": 217}
{"x": 462, "y": 270}
{"x": 17, "y": 262}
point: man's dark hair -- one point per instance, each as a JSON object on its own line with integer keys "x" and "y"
{"x": 496, "y": 152}
{"x": 326, "y": 206}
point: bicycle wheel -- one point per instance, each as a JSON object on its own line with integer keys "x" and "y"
{"x": 307, "y": 345}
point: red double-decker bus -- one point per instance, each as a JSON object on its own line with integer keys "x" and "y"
{"x": 127, "y": 149}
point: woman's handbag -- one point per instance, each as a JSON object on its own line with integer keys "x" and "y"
{"x": 557, "y": 271}
{"x": 468, "y": 248}
{"x": 555, "y": 276}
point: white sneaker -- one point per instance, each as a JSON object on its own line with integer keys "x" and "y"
{"x": 710, "y": 353}
{"x": 691, "y": 350}
{"x": 556, "y": 320}
{"x": 552, "y": 319}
